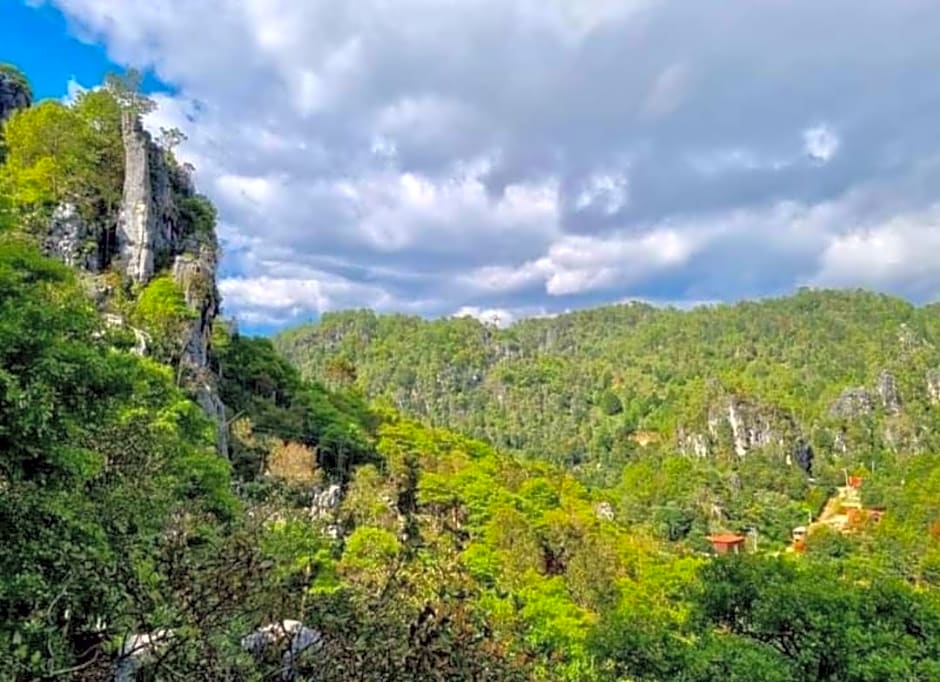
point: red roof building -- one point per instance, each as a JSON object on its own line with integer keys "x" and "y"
{"x": 727, "y": 543}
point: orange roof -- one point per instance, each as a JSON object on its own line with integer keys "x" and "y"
{"x": 726, "y": 538}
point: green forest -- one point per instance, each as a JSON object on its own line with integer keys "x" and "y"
{"x": 390, "y": 498}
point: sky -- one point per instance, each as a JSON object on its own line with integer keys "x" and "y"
{"x": 509, "y": 158}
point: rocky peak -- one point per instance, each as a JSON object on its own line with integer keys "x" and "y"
{"x": 152, "y": 236}
{"x": 137, "y": 229}
{"x": 14, "y": 92}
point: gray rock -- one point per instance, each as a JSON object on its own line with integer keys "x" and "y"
{"x": 139, "y": 650}
{"x": 69, "y": 239}
{"x": 694, "y": 444}
{"x": 752, "y": 426}
{"x": 137, "y": 229}
{"x": 887, "y": 388}
{"x": 326, "y": 502}
{"x": 195, "y": 275}
{"x": 839, "y": 443}
{"x": 207, "y": 396}
{"x": 604, "y": 511}
{"x": 933, "y": 386}
{"x": 852, "y": 403}
{"x": 288, "y": 638}
{"x": 13, "y": 96}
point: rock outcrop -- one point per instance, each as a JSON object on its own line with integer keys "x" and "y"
{"x": 852, "y": 403}
{"x": 693, "y": 443}
{"x": 14, "y": 94}
{"x": 150, "y": 232}
{"x": 887, "y": 388}
{"x": 933, "y": 386}
{"x": 137, "y": 230}
{"x": 752, "y": 426}
{"x": 194, "y": 273}
{"x": 742, "y": 426}
{"x": 70, "y": 239}
{"x": 148, "y": 235}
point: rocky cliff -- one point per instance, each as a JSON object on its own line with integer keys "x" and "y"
{"x": 151, "y": 233}
{"x": 14, "y": 92}
{"x": 739, "y": 425}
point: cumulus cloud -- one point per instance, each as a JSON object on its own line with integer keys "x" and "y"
{"x": 520, "y": 156}
{"x": 901, "y": 255}
{"x": 500, "y": 317}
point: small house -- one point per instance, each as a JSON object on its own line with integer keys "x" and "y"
{"x": 727, "y": 543}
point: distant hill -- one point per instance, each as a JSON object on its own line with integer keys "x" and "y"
{"x": 843, "y": 374}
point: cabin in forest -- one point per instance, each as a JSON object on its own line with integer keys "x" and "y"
{"x": 727, "y": 543}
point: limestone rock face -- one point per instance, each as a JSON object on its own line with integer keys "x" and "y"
{"x": 150, "y": 234}
{"x": 741, "y": 425}
{"x": 195, "y": 275}
{"x": 693, "y": 444}
{"x": 207, "y": 396}
{"x": 887, "y": 388}
{"x": 13, "y": 95}
{"x": 752, "y": 426}
{"x": 933, "y": 386}
{"x": 71, "y": 240}
{"x": 137, "y": 230}
{"x": 852, "y": 403}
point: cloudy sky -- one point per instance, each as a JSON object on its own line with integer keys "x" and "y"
{"x": 521, "y": 157}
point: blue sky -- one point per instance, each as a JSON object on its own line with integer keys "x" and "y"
{"x": 514, "y": 158}
{"x": 38, "y": 40}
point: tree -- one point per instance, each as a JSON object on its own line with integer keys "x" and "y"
{"x": 127, "y": 89}
{"x": 49, "y": 155}
{"x": 162, "y": 312}
{"x": 100, "y": 454}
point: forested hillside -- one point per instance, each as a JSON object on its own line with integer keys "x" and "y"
{"x": 590, "y": 388}
{"x": 179, "y": 502}
{"x": 745, "y": 417}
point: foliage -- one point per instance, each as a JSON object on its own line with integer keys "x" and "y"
{"x": 547, "y": 387}
{"x": 257, "y": 383}
{"x": 162, "y": 312}
{"x": 100, "y": 452}
{"x": 127, "y": 90}
{"x": 198, "y": 215}
{"x": 17, "y": 76}
{"x": 60, "y": 154}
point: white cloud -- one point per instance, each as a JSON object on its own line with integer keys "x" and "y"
{"x": 500, "y": 317}
{"x": 578, "y": 264}
{"x": 515, "y": 155}
{"x": 820, "y": 143}
{"x": 900, "y": 255}
{"x": 607, "y": 192}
